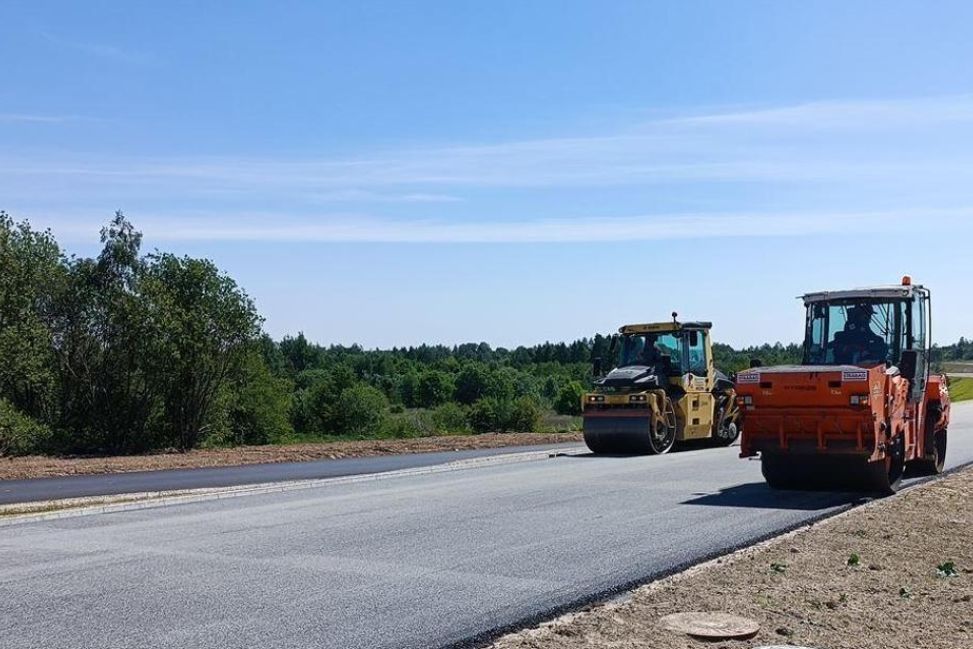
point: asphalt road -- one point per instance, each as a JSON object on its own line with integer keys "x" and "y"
{"x": 22, "y": 491}
{"x": 409, "y": 561}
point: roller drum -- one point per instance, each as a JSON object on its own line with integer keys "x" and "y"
{"x": 618, "y": 435}
{"x": 830, "y": 473}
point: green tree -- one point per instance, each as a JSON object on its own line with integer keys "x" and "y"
{"x": 524, "y": 416}
{"x": 551, "y": 388}
{"x": 472, "y": 383}
{"x": 102, "y": 328}
{"x": 203, "y": 325}
{"x": 484, "y": 415}
{"x": 315, "y": 402}
{"x": 435, "y": 387}
{"x": 450, "y": 418}
{"x": 361, "y": 411}
{"x": 568, "y": 400}
{"x": 32, "y": 278}
{"x": 408, "y": 389}
{"x": 258, "y": 408}
{"x": 19, "y": 434}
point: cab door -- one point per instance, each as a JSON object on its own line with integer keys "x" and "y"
{"x": 919, "y": 342}
{"x": 699, "y": 400}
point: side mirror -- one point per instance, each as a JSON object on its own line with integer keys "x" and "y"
{"x": 909, "y": 364}
{"x": 596, "y": 366}
{"x": 756, "y": 362}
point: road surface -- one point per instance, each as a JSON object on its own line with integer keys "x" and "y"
{"x": 411, "y": 561}
{"x": 23, "y": 491}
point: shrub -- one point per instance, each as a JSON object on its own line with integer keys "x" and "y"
{"x": 435, "y": 387}
{"x": 472, "y": 383}
{"x": 450, "y": 418}
{"x": 408, "y": 389}
{"x": 258, "y": 412}
{"x": 568, "y": 400}
{"x": 19, "y": 434}
{"x": 483, "y": 416}
{"x": 314, "y": 408}
{"x": 524, "y": 416}
{"x": 502, "y": 415}
{"x": 361, "y": 411}
{"x": 402, "y": 427}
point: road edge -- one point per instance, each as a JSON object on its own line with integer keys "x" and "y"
{"x": 22, "y": 513}
{"x": 681, "y": 571}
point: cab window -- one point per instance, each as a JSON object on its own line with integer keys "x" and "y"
{"x": 697, "y": 353}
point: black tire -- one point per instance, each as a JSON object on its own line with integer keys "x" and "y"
{"x": 937, "y": 463}
{"x": 663, "y": 438}
{"x": 726, "y": 435}
{"x": 885, "y": 476}
{"x": 783, "y": 472}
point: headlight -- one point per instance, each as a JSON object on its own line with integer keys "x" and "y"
{"x": 859, "y": 399}
{"x": 748, "y": 400}
{"x": 595, "y": 398}
{"x": 638, "y": 398}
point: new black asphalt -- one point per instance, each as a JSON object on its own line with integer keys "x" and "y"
{"x": 40, "y": 489}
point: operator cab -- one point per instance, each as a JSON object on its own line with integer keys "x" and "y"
{"x": 869, "y": 327}
{"x": 650, "y": 354}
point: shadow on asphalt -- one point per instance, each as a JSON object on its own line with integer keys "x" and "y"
{"x": 759, "y": 495}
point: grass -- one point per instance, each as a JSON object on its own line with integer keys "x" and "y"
{"x": 961, "y": 389}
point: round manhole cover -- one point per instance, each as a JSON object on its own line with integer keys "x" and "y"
{"x": 711, "y": 626}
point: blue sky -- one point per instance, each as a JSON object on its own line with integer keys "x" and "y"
{"x": 396, "y": 173}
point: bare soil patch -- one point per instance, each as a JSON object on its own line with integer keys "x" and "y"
{"x": 895, "y": 574}
{"x": 46, "y": 467}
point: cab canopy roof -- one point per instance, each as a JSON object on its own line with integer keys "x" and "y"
{"x": 664, "y": 327}
{"x": 893, "y": 292}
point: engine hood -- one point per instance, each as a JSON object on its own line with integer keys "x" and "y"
{"x": 633, "y": 376}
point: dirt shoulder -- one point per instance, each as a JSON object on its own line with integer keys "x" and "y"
{"x": 46, "y": 467}
{"x": 803, "y": 591}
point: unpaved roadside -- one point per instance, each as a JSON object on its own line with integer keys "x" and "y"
{"x": 47, "y": 467}
{"x": 807, "y": 589}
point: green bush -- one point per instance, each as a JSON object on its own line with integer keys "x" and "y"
{"x": 313, "y": 410}
{"x": 524, "y": 416}
{"x": 435, "y": 387}
{"x": 483, "y": 417}
{"x": 450, "y": 418}
{"x": 402, "y": 426}
{"x": 361, "y": 412}
{"x": 19, "y": 434}
{"x": 503, "y": 415}
{"x": 472, "y": 383}
{"x": 258, "y": 412}
{"x": 568, "y": 400}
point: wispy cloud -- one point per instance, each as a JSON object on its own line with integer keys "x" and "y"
{"x": 840, "y": 141}
{"x": 843, "y": 114}
{"x": 650, "y": 227}
{"x": 363, "y": 196}
{"x": 108, "y": 51}
{"x": 40, "y": 119}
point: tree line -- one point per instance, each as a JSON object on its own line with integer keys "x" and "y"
{"x": 129, "y": 352}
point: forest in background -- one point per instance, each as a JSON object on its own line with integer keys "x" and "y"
{"x": 131, "y": 353}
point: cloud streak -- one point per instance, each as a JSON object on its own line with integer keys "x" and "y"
{"x": 40, "y": 119}
{"x": 105, "y": 51}
{"x": 827, "y": 167}
{"x": 823, "y": 141}
{"x": 658, "y": 227}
